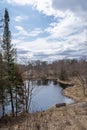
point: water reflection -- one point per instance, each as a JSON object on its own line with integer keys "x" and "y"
{"x": 55, "y": 82}
{"x": 44, "y": 82}
{"x": 46, "y": 94}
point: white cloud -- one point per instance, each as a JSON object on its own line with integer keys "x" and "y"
{"x": 74, "y": 5}
{"x": 41, "y": 49}
{"x": 54, "y": 7}
{"x": 44, "y": 6}
{"x": 21, "y": 2}
{"x": 35, "y": 32}
{"x": 19, "y": 28}
{"x": 22, "y": 32}
{"x": 71, "y": 28}
{"x": 18, "y": 19}
{"x": 21, "y": 18}
{"x": 67, "y": 26}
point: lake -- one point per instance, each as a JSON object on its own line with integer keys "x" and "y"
{"x": 45, "y": 94}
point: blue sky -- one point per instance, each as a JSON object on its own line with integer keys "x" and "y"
{"x": 48, "y": 30}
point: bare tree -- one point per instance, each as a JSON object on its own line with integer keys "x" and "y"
{"x": 29, "y": 84}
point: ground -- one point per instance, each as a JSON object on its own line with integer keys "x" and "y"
{"x": 69, "y": 117}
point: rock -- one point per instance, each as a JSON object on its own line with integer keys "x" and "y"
{"x": 60, "y": 104}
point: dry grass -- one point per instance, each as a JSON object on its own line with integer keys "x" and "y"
{"x": 71, "y": 117}
{"x": 76, "y": 92}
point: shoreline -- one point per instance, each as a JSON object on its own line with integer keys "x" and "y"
{"x": 66, "y": 83}
{"x": 75, "y": 92}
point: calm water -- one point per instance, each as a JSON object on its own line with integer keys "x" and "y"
{"x": 45, "y": 96}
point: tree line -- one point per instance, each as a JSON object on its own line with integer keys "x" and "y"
{"x": 62, "y": 69}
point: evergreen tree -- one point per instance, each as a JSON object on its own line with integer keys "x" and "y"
{"x": 9, "y": 58}
{"x": 14, "y": 82}
{"x": 19, "y": 92}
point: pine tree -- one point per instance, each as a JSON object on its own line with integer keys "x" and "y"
{"x": 19, "y": 92}
{"x": 9, "y": 58}
{"x": 14, "y": 82}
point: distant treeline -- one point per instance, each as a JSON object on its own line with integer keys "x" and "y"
{"x": 63, "y": 69}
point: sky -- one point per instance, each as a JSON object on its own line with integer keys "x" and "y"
{"x": 48, "y": 30}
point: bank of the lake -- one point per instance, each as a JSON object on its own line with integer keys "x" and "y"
{"x": 76, "y": 92}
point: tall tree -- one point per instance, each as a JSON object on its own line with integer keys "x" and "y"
{"x": 9, "y": 57}
{"x": 19, "y": 93}
{"x": 2, "y": 86}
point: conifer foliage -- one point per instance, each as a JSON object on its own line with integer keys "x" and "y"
{"x": 11, "y": 83}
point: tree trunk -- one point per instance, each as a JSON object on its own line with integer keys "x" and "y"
{"x": 16, "y": 102}
{"x": 3, "y": 107}
{"x": 12, "y": 103}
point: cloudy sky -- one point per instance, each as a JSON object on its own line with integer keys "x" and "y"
{"x": 48, "y": 29}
